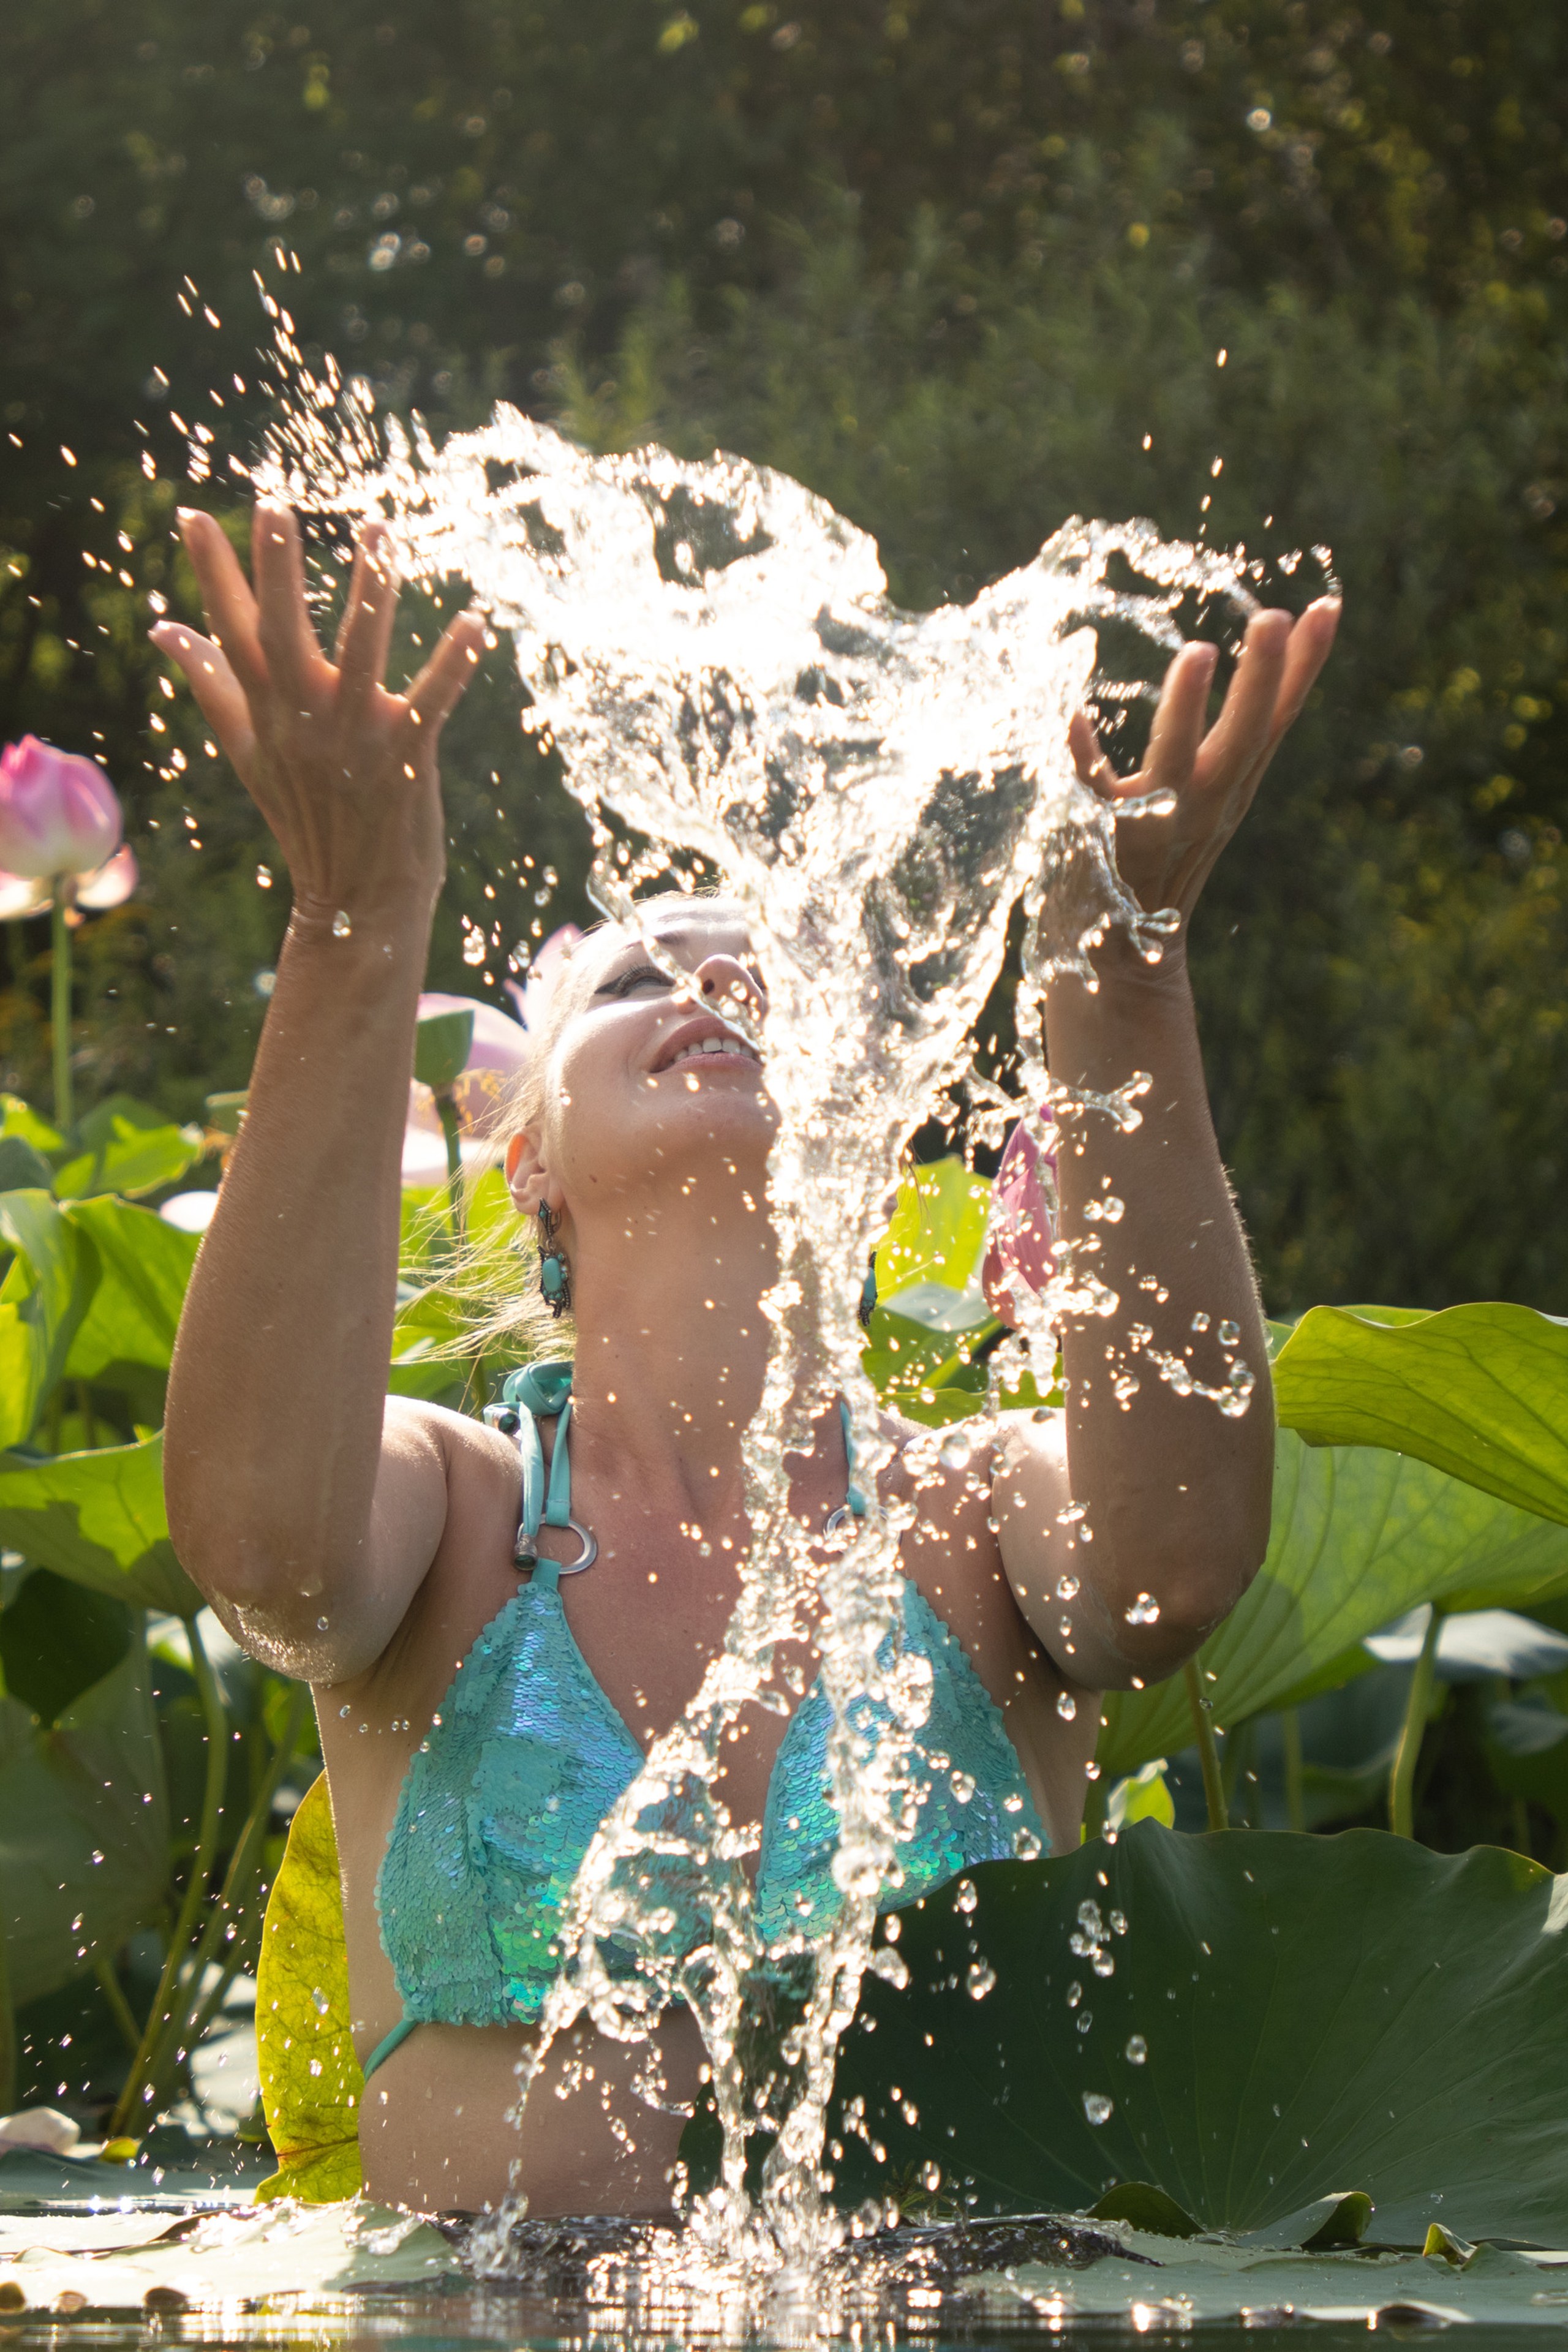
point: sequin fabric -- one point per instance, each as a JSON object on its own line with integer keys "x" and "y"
{"x": 526, "y": 1756}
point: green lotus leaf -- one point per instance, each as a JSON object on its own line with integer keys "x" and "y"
{"x": 124, "y": 1146}
{"x": 98, "y": 1519}
{"x": 43, "y": 1299}
{"x": 57, "y": 1640}
{"x": 1358, "y": 1535}
{"x": 135, "y": 1310}
{"x": 928, "y": 1260}
{"x": 1480, "y": 1392}
{"x": 83, "y": 1826}
{"x": 19, "y": 1118}
{"x": 429, "y": 1323}
{"x": 1285, "y": 2021}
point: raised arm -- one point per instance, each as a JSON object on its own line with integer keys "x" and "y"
{"x": 305, "y": 1526}
{"x": 1132, "y": 1523}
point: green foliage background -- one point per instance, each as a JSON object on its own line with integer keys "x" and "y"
{"x": 950, "y": 261}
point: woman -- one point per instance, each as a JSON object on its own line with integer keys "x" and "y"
{"x": 367, "y": 1545}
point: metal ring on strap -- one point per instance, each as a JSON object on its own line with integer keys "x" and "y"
{"x": 590, "y": 1544}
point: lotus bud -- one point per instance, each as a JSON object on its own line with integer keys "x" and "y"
{"x": 1020, "y": 1254}
{"x": 59, "y": 813}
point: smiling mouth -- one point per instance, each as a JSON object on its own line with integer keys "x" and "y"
{"x": 708, "y": 1049}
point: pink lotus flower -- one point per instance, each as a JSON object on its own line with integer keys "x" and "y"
{"x": 499, "y": 1050}
{"x": 532, "y": 996}
{"x": 1021, "y": 1253}
{"x": 59, "y": 813}
{"x": 110, "y": 887}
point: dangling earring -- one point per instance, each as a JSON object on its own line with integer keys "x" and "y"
{"x": 555, "y": 1273}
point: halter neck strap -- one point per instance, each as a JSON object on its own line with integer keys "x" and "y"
{"x": 543, "y": 1392}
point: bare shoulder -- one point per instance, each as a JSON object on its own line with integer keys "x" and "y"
{"x": 442, "y": 1483}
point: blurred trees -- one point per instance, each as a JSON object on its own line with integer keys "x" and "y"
{"x": 950, "y": 261}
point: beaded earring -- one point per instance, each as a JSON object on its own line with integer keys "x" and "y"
{"x": 554, "y": 1272}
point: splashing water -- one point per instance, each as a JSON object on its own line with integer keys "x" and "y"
{"x": 713, "y": 651}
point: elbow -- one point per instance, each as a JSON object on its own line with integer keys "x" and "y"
{"x": 1169, "y": 1613}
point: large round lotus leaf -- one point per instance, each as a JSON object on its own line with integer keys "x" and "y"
{"x": 1359, "y": 1536}
{"x": 1479, "y": 1391}
{"x": 1320, "y": 2015}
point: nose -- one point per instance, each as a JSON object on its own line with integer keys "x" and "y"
{"x": 726, "y": 977}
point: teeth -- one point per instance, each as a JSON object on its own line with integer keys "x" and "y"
{"x": 713, "y": 1045}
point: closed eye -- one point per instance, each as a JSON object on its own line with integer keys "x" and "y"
{"x": 637, "y": 975}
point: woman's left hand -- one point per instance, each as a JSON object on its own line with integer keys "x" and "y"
{"x": 1212, "y": 775}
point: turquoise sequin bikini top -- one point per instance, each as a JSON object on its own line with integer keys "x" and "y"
{"x": 526, "y": 1756}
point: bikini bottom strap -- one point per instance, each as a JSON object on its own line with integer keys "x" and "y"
{"x": 393, "y": 2041}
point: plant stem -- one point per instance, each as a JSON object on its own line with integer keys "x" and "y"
{"x": 114, "y": 1994}
{"x": 1290, "y": 1738}
{"x": 60, "y": 1009}
{"x": 1402, "y": 1780}
{"x": 210, "y": 1693}
{"x": 447, "y": 1111}
{"x": 1214, "y": 1782}
{"x": 7, "y": 2020}
{"x": 191, "y": 2015}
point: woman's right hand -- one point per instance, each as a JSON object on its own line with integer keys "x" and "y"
{"x": 343, "y": 770}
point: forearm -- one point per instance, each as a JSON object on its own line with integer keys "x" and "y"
{"x": 1174, "y": 1486}
{"x": 279, "y": 1383}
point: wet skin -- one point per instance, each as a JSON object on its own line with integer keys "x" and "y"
{"x": 363, "y": 1544}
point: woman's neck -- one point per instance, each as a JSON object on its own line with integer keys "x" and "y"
{"x": 672, "y": 1343}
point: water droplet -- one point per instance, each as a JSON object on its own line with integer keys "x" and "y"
{"x": 966, "y": 1899}
{"x": 342, "y": 927}
{"x": 1097, "y": 2107}
{"x": 981, "y": 1976}
{"x": 1067, "y": 1588}
{"x": 1119, "y": 1923}
{"x": 319, "y": 2001}
{"x": 320, "y": 1624}
{"x": 1137, "y": 2050}
{"x": 1146, "y": 1610}
{"x": 931, "y": 2176}
{"x": 1200, "y": 1321}
{"x": 1066, "y": 1705}
{"x": 264, "y": 877}
{"x": 1229, "y": 1333}
{"x": 343, "y": 1714}
{"x": 1074, "y": 1993}
{"x": 962, "y": 1786}
{"x": 1027, "y": 1846}
{"x": 954, "y": 1451}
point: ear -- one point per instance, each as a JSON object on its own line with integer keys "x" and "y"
{"x": 527, "y": 1180}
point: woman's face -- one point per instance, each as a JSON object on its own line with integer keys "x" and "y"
{"x": 647, "y": 1082}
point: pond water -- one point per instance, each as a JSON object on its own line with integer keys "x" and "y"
{"x": 220, "y": 2273}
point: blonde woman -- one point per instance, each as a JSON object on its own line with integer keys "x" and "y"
{"x": 480, "y": 1704}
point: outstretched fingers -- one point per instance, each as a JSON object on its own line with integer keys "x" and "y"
{"x": 1238, "y": 744}
{"x": 219, "y": 696}
{"x": 294, "y": 659}
{"x": 442, "y": 683}
{"x": 366, "y": 632}
{"x": 226, "y": 599}
{"x": 1311, "y": 642}
{"x": 1180, "y": 718}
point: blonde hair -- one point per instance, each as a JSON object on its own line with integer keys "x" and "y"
{"x": 496, "y": 1279}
